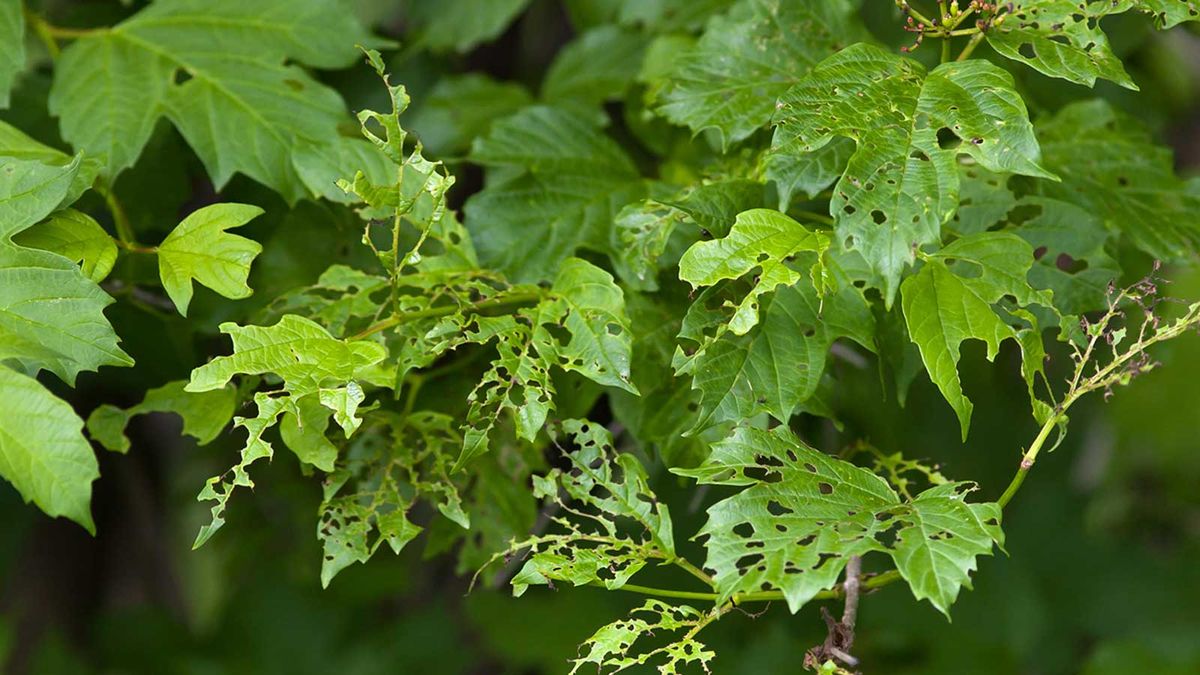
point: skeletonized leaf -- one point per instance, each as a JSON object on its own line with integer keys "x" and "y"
{"x": 201, "y": 249}
{"x": 803, "y": 513}
{"x": 611, "y": 649}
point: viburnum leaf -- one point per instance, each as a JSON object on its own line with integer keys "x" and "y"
{"x": 51, "y": 315}
{"x": 610, "y": 649}
{"x": 761, "y": 239}
{"x": 554, "y": 184}
{"x": 598, "y": 66}
{"x": 604, "y": 492}
{"x": 803, "y": 513}
{"x": 217, "y": 70}
{"x": 77, "y": 237}
{"x": 204, "y": 415}
{"x": 902, "y": 182}
{"x": 778, "y": 364}
{"x": 951, "y": 299}
{"x": 730, "y": 80}
{"x": 393, "y": 464}
{"x": 462, "y": 24}
{"x": 1111, "y": 168}
{"x": 1061, "y": 38}
{"x": 42, "y": 449}
{"x": 200, "y": 249}
{"x": 12, "y": 46}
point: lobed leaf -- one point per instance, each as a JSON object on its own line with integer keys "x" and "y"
{"x": 199, "y": 249}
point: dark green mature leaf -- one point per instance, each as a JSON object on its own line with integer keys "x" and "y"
{"x": 984, "y": 199}
{"x": 670, "y": 15}
{"x": 1166, "y": 13}
{"x": 762, "y": 240}
{"x": 12, "y": 46}
{"x": 555, "y": 182}
{"x": 610, "y": 650}
{"x": 51, "y": 315}
{"x": 199, "y": 249}
{"x": 204, "y": 415}
{"x": 598, "y": 66}
{"x": 1111, "y": 167}
{"x": 15, "y": 144}
{"x": 42, "y": 449}
{"x": 239, "y": 106}
{"x": 463, "y": 107}
{"x": 804, "y": 513}
{"x": 77, "y": 237}
{"x": 1061, "y": 38}
{"x": 775, "y": 367}
{"x": 902, "y": 182}
{"x": 951, "y": 300}
{"x": 462, "y": 24}
{"x": 366, "y": 499}
{"x": 746, "y": 59}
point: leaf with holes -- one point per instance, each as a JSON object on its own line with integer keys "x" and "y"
{"x": 1060, "y": 38}
{"x": 910, "y": 126}
{"x": 611, "y": 649}
{"x": 802, "y": 515}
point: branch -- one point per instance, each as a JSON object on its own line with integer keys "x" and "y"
{"x": 433, "y": 312}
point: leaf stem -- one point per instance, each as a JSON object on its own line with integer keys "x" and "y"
{"x": 970, "y": 48}
{"x": 432, "y": 312}
{"x": 877, "y": 581}
{"x": 120, "y": 219}
{"x": 691, "y": 569}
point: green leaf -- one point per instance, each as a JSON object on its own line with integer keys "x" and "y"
{"x": 747, "y": 58}
{"x": 42, "y": 449}
{"x": 77, "y": 237}
{"x": 612, "y": 489}
{"x": 811, "y": 173}
{"x": 462, "y": 107}
{"x": 1111, "y": 168}
{"x": 554, "y": 185}
{"x": 984, "y": 199}
{"x": 16, "y": 144}
{"x": 776, "y": 366}
{"x": 12, "y": 46}
{"x": 1166, "y": 13}
{"x": 902, "y": 182}
{"x": 204, "y": 415}
{"x": 51, "y": 315}
{"x": 462, "y": 24}
{"x": 662, "y": 16}
{"x": 763, "y": 240}
{"x": 951, "y": 300}
{"x": 803, "y": 514}
{"x": 610, "y": 649}
{"x": 200, "y": 249}
{"x": 367, "y": 498}
{"x": 1060, "y": 38}
{"x": 598, "y": 66}
{"x": 217, "y": 70}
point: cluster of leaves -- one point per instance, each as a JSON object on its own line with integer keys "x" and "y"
{"x": 682, "y": 273}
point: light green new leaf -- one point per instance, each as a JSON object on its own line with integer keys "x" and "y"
{"x": 951, "y": 300}
{"x": 204, "y": 414}
{"x": 51, "y": 315}
{"x": 761, "y": 239}
{"x": 902, "y": 182}
{"x": 12, "y": 46}
{"x": 296, "y": 349}
{"x": 554, "y": 184}
{"x": 217, "y": 70}
{"x": 1112, "y": 168}
{"x": 42, "y": 449}
{"x": 462, "y": 24}
{"x": 598, "y": 66}
{"x": 803, "y": 514}
{"x": 610, "y": 649}
{"x": 200, "y": 249}
{"x": 747, "y": 58}
{"x": 1061, "y": 38}
{"x": 77, "y": 237}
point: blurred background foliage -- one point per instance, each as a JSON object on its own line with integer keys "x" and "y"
{"x": 1100, "y": 575}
